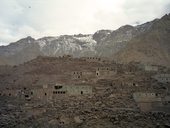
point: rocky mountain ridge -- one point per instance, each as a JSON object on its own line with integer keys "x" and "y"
{"x": 104, "y": 43}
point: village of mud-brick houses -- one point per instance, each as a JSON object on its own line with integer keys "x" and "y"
{"x": 145, "y": 84}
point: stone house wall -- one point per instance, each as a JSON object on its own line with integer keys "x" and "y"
{"x": 163, "y": 78}
{"x": 73, "y": 89}
{"x": 82, "y": 74}
{"x": 105, "y": 72}
{"x": 151, "y": 68}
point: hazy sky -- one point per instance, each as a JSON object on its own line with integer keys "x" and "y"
{"x": 38, "y": 18}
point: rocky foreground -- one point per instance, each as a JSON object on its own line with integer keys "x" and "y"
{"x": 78, "y": 112}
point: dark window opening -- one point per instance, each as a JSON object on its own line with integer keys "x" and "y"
{"x": 45, "y": 94}
{"x": 97, "y": 74}
{"x": 24, "y": 88}
{"x": 58, "y": 87}
{"x": 0, "y": 94}
{"x": 61, "y": 122}
{"x": 26, "y": 96}
{"x": 81, "y": 92}
{"x": 9, "y": 94}
{"x": 59, "y": 92}
{"x": 78, "y": 76}
{"x": 31, "y": 93}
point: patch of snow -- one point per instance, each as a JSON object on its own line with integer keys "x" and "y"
{"x": 29, "y": 41}
{"x": 42, "y": 42}
{"x": 87, "y": 39}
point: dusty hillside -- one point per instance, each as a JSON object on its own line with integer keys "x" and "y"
{"x": 151, "y": 47}
{"x": 43, "y": 70}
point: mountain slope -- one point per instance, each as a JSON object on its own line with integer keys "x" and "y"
{"x": 29, "y": 48}
{"x": 151, "y": 47}
{"x": 147, "y": 43}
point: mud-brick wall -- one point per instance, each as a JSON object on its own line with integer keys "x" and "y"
{"x": 82, "y": 74}
{"x": 79, "y": 90}
{"x": 144, "y": 97}
{"x": 77, "y": 75}
{"x": 73, "y": 90}
{"x": 105, "y": 73}
{"x": 145, "y": 107}
{"x": 10, "y": 93}
{"x": 93, "y": 59}
{"x": 150, "y": 68}
{"x": 42, "y": 94}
